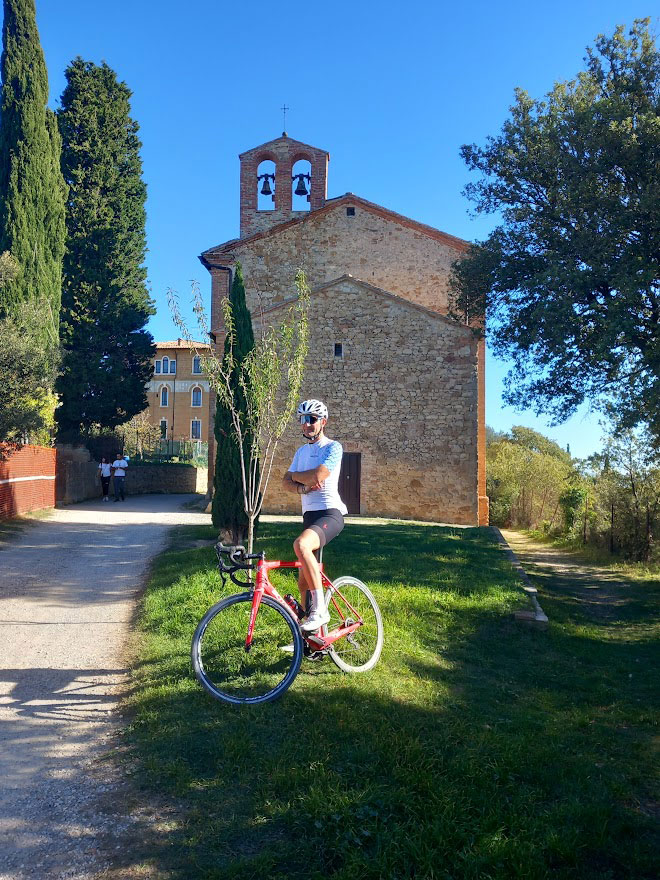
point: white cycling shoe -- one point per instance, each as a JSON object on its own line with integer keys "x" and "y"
{"x": 315, "y": 620}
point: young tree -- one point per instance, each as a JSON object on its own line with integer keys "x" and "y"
{"x": 139, "y": 435}
{"x": 269, "y": 378}
{"x": 32, "y": 190}
{"x": 570, "y": 277}
{"x": 228, "y": 509}
{"x": 105, "y": 302}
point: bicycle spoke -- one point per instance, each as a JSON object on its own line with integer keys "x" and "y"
{"x": 360, "y": 649}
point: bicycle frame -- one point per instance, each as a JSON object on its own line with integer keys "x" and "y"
{"x": 317, "y": 642}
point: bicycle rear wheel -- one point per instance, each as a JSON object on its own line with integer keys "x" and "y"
{"x": 360, "y": 650}
{"x": 230, "y": 673}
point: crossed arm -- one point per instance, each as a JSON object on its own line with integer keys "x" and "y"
{"x": 301, "y": 482}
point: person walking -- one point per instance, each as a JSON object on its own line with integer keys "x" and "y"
{"x": 105, "y": 472}
{"x": 314, "y": 475}
{"x": 119, "y": 466}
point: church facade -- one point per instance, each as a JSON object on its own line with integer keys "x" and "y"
{"x": 403, "y": 382}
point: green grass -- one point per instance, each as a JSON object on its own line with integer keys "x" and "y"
{"x": 477, "y": 748}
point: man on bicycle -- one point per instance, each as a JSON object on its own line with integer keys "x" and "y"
{"x": 314, "y": 475}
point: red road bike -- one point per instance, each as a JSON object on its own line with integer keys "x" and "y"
{"x": 248, "y": 647}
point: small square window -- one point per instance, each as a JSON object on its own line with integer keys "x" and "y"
{"x": 350, "y": 212}
{"x": 339, "y": 349}
{"x": 158, "y": 366}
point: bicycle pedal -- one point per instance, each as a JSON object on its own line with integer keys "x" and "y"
{"x": 315, "y": 656}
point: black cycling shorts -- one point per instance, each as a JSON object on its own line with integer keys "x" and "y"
{"x": 326, "y": 523}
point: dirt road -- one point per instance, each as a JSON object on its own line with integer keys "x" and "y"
{"x": 68, "y": 586}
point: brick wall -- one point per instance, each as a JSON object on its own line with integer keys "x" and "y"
{"x": 27, "y": 481}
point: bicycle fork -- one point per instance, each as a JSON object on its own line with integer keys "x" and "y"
{"x": 256, "y": 602}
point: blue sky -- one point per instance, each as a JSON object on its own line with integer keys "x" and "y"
{"x": 390, "y": 91}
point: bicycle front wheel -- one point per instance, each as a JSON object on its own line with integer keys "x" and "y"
{"x": 360, "y": 650}
{"x": 230, "y": 673}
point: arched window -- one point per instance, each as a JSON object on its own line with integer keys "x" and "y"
{"x": 166, "y": 365}
{"x": 164, "y": 396}
{"x": 266, "y": 185}
{"x": 301, "y": 178}
{"x": 196, "y": 396}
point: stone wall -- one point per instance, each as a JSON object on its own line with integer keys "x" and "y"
{"x": 404, "y": 395}
{"x": 374, "y": 248}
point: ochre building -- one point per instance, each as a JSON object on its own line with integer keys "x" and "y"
{"x": 404, "y": 383}
{"x": 178, "y": 393}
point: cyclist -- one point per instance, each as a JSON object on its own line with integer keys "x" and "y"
{"x": 314, "y": 475}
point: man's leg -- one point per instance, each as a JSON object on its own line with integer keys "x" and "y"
{"x": 115, "y": 483}
{"x": 304, "y": 547}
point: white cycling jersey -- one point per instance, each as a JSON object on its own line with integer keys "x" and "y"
{"x": 311, "y": 455}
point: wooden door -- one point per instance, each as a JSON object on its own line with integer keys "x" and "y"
{"x": 349, "y": 481}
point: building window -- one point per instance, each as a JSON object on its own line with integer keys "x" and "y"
{"x": 197, "y": 366}
{"x": 196, "y": 396}
{"x": 172, "y": 366}
{"x": 163, "y": 396}
{"x": 157, "y": 366}
{"x": 196, "y": 429}
{"x": 163, "y": 428}
{"x": 166, "y": 365}
{"x": 350, "y": 212}
{"x": 339, "y": 349}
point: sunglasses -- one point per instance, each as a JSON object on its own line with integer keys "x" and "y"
{"x": 308, "y": 420}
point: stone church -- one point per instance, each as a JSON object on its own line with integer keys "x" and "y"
{"x": 403, "y": 382}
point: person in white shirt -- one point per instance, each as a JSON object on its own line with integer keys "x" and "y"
{"x": 105, "y": 472}
{"x": 119, "y": 466}
{"x": 314, "y": 475}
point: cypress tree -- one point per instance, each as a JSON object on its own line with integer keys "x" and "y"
{"x": 105, "y": 302}
{"x": 227, "y": 509}
{"x": 32, "y": 190}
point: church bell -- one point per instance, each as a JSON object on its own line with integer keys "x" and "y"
{"x": 301, "y": 189}
{"x": 265, "y": 189}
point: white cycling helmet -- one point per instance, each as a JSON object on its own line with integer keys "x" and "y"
{"x": 313, "y": 407}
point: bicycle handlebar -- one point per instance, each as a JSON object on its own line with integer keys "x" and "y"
{"x": 236, "y": 555}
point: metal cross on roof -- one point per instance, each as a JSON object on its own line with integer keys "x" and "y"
{"x": 284, "y": 109}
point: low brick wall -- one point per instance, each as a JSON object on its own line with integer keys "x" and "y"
{"x": 27, "y": 481}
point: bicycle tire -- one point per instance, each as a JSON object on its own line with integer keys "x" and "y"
{"x": 230, "y": 674}
{"x": 359, "y": 651}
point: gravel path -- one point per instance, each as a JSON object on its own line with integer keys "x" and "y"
{"x": 600, "y": 590}
{"x": 68, "y": 586}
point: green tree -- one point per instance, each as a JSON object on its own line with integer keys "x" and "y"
{"x": 28, "y": 365}
{"x": 32, "y": 190}
{"x": 526, "y": 473}
{"x": 227, "y": 509}
{"x": 570, "y": 277}
{"x": 105, "y": 302}
{"x": 269, "y": 379}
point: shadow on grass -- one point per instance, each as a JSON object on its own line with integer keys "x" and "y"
{"x": 475, "y": 749}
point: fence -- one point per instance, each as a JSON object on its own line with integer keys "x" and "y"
{"x": 27, "y": 481}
